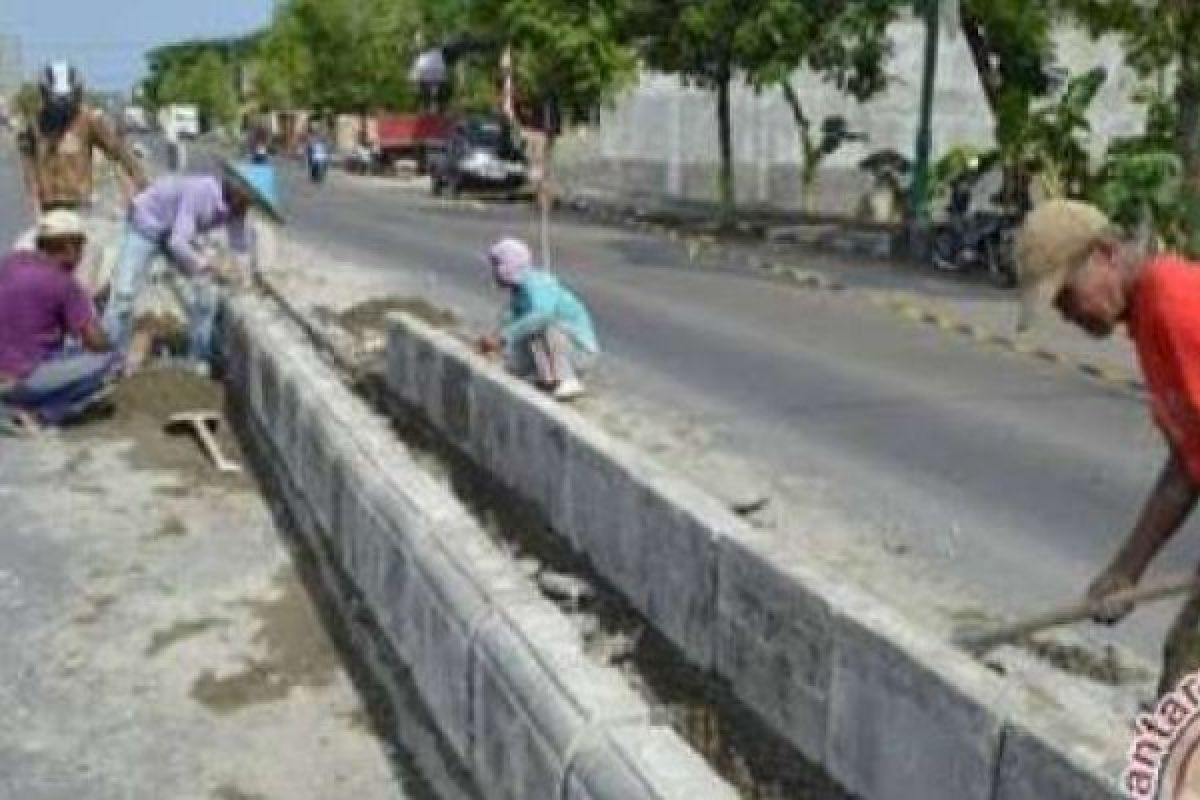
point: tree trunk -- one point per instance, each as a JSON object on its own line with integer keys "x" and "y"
{"x": 808, "y": 155}
{"x": 989, "y": 78}
{"x": 727, "y": 189}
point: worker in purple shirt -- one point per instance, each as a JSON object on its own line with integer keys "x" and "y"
{"x": 55, "y": 359}
{"x": 166, "y": 219}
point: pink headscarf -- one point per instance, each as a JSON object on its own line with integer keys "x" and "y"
{"x": 510, "y": 260}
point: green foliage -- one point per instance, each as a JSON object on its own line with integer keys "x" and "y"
{"x": 1011, "y": 44}
{"x": 1144, "y": 186}
{"x": 569, "y": 52}
{"x": 339, "y": 55}
{"x": 957, "y": 162}
{"x": 198, "y": 74}
{"x": 1053, "y": 144}
{"x": 203, "y": 72}
{"x": 1160, "y": 38}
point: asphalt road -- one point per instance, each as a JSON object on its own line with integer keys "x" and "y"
{"x": 1020, "y": 478}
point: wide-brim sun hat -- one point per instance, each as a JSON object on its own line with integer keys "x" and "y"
{"x": 1055, "y": 239}
{"x": 259, "y": 182}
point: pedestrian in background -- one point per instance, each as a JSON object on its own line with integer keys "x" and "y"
{"x": 1069, "y": 256}
{"x": 547, "y": 334}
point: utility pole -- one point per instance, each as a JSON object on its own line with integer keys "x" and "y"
{"x": 929, "y": 10}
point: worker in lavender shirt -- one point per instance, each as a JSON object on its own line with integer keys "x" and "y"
{"x": 166, "y": 219}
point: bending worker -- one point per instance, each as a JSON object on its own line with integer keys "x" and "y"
{"x": 1069, "y": 256}
{"x": 547, "y": 333}
{"x": 41, "y": 305}
{"x": 167, "y": 219}
{"x": 57, "y": 146}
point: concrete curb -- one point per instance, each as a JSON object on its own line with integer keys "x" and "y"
{"x": 501, "y": 671}
{"x": 888, "y": 709}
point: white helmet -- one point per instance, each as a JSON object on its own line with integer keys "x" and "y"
{"x": 60, "y": 83}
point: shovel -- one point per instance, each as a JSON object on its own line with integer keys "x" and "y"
{"x": 204, "y": 424}
{"x": 981, "y": 640}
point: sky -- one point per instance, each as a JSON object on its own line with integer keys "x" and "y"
{"x": 107, "y": 38}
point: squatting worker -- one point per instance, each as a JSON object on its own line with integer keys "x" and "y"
{"x": 55, "y": 359}
{"x": 167, "y": 219}
{"x": 547, "y": 333}
{"x": 57, "y": 146}
{"x": 1069, "y": 256}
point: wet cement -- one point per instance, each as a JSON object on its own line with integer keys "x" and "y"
{"x": 296, "y": 652}
{"x": 371, "y": 315}
{"x": 139, "y": 412}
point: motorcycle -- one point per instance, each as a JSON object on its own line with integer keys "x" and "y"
{"x": 970, "y": 240}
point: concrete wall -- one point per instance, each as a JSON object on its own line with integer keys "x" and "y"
{"x": 659, "y": 140}
{"x": 501, "y": 671}
{"x": 889, "y": 710}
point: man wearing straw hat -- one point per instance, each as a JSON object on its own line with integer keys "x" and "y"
{"x": 1070, "y": 257}
{"x": 167, "y": 219}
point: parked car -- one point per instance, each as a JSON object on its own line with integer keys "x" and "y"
{"x": 482, "y": 152}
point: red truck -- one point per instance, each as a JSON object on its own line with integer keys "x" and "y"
{"x": 411, "y": 136}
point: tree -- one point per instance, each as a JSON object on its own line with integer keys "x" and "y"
{"x": 203, "y": 72}
{"x": 1011, "y": 44}
{"x": 339, "y": 55}
{"x": 699, "y": 40}
{"x": 846, "y": 43}
{"x": 196, "y": 73}
{"x": 569, "y": 56}
{"x": 1161, "y": 38}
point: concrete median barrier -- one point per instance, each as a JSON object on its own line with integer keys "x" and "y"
{"x": 887, "y": 708}
{"x": 500, "y": 670}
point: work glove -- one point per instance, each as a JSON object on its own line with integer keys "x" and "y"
{"x": 1108, "y": 583}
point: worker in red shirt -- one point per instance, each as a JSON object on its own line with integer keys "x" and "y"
{"x": 1069, "y": 256}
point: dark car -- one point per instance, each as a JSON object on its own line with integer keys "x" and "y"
{"x": 482, "y": 152}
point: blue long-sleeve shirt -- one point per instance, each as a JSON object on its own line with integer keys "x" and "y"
{"x": 541, "y": 300}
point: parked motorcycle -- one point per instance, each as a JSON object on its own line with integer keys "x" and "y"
{"x": 971, "y": 240}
